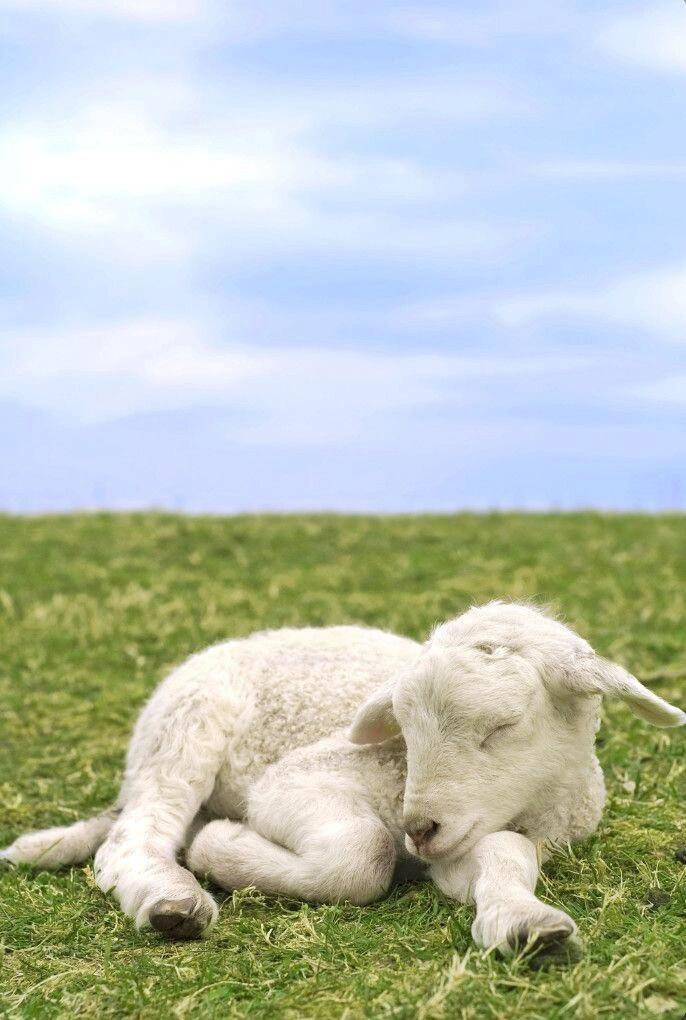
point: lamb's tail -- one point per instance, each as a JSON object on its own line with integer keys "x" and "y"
{"x": 64, "y": 844}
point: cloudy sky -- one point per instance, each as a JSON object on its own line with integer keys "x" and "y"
{"x": 344, "y": 255}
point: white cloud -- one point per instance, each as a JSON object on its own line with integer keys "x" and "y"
{"x": 423, "y": 97}
{"x": 652, "y": 301}
{"x": 282, "y": 394}
{"x": 442, "y": 23}
{"x": 606, "y": 169}
{"x": 247, "y": 22}
{"x": 157, "y": 352}
{"x": 134, "y": 10}
{"x": 78, "y": 172}
{"x": 670, "y": 391}
{"x": 653, "y": 38}
{"x": 121, "y": 368}
{"x": 140, "y": 166}
{"x": 162, "y": 165}
{"x": 438, "y": 22}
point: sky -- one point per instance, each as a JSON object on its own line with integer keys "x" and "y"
{"x": 342, "y": 255}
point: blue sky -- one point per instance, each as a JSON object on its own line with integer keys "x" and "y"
{"x": 355, "y": 256}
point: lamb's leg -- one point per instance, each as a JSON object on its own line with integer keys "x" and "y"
{"x": 137, "y": 863}
{"x": 61, "y": 845}
{"x": 175, "y": 755}
{"x": 499, "y": 875}
{"x": 312, "y": 846}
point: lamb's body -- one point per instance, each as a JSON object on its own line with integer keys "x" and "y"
{"x": 242, "y": 756}
{"x": 276, "y": 697}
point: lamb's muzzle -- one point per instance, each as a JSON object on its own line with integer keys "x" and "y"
{"x": 421, "y": 832}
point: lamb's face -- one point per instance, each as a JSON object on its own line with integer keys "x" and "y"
{"x": 483, "y": 740}
{"x": 497, "y": 710}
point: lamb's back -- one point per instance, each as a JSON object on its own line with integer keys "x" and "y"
{"x": 309, "y": 682}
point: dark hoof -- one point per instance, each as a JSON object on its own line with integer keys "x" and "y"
{"x": 175, "y": 919}
{"x": 546, "y": 939}
{"x": 680, "y": 855}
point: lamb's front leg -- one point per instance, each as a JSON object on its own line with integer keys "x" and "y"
{"x": 499, "y": 876}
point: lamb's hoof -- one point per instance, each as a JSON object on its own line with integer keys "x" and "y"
{"x": 547, "y": 945}
{"x": 529, "y": 927}
{"x": 529, "y": 937}
{"x": 179, "y": 919}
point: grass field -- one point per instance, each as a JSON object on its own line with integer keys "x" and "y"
{"x": 94, "y": 610}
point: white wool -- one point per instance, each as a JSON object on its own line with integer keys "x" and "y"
{"x": 469, "y": 752}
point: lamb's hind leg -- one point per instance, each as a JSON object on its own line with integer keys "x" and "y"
{"x": 176, "y": 752}
{"x": 137, "y": 863}
{"x": 315, "y": 842}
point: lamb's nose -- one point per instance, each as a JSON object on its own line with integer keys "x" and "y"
{"x": 422, "y": 833}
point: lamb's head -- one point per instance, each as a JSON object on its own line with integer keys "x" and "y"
{"x": 498, "y": 711}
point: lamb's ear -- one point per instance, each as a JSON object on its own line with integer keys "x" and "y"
{"x": 591, "y": 674}
{"x": 374, "y": 720}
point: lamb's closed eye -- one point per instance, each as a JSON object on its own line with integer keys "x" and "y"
{"x": 498, "y": 651}
{"x": 491, "y": 738}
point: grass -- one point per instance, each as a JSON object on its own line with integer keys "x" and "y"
{"x": 94, "y": 610}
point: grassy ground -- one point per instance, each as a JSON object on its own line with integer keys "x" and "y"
{"x": 94, "y": 609}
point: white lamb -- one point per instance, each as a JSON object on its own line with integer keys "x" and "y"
{"x": 477, "y": 753}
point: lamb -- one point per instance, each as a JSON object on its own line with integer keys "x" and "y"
{"x": 470, "y": 756}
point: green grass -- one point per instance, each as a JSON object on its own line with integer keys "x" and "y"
{"x": 94, "y": 610}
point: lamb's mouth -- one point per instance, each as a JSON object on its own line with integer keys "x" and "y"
{"x": 451, "y": 850}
